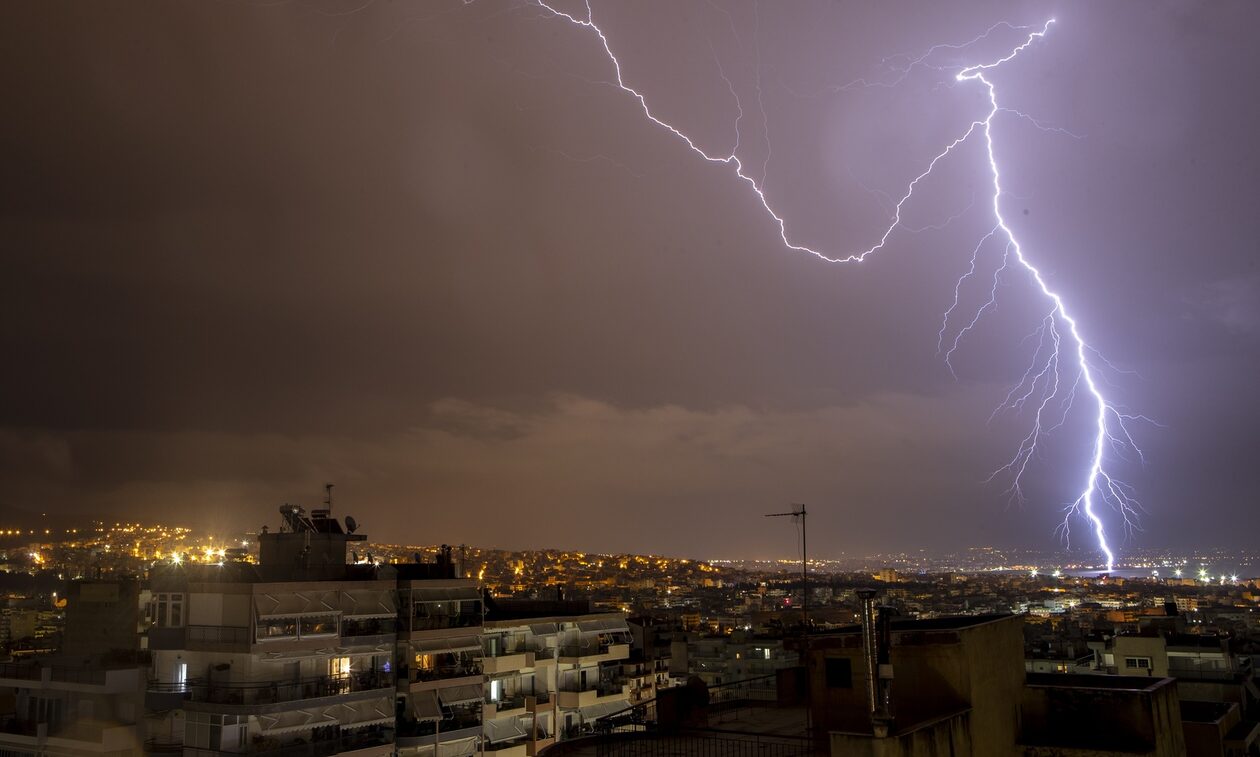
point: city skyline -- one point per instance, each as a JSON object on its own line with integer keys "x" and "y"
{"x": 435, "y": 257}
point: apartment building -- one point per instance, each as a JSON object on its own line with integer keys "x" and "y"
{"x": 294, "y": 653}
{"x": 552, "y": 670}
{"x": 88, "y": 698}
{"x": 440, "y": 673}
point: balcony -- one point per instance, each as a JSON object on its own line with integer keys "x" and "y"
{"x": 77, "y": 737}
{"x": 470, "y": 667}
{"x": 24, "y": 675}
{"x": 359, "y": 739}
{"x": 438, "y": 622}
{"x": 508, "y": 748}
{"x": 368, "y": 631}
{"x": 506, "y": 662}
{"x": 542, "y": 701}
{"x": 575, "y": 653}
{"x": 423, "y": 732}
{"x": 252, "y": 693}
{"x": 508, "y": 705}
{"x": 575, "y": 695}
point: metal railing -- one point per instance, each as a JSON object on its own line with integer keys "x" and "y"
{"x": 471, "y": 667}
{"x": 218, "y": 634}
{"x": 435, "y": 622}
{"x": 605, "y": 687}
{"x": 272, "y": 692}
{"x": 514, "y": 702}
{"x": 506, "y": 650}
{"x": 368, "y": 627}
{"x": 586, "y": 650}
{"x": 26, "y": 671}
{"x": 318, "y": 747}
{"x": 699, "y": 744}
{"x": 408, "y": 728}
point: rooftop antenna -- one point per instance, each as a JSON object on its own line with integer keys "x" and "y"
{"x": 798, "y": 516}
{"x": 328, "y": 497}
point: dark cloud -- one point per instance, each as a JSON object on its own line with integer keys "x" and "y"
{"x": 428, "y": 252}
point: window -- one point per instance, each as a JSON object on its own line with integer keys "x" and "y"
{"x": 181, "y": 675}
{"x": 339, "y": 666}
{"x": 1137, "y": 663}
{"x": 205, "y": 730}
{"x": 168, "y": 610}
{"x": 319, "y": 625}
{"x": 277, "y": 628}
{"x": 839, "y": 672}
{"x": 46, "y": 710}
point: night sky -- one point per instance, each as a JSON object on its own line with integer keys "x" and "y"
{"x": 427, "y": 251}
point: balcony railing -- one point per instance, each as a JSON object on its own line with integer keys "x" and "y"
{"x": 218, "y": 635}
{"x": 606, "y": 687}
{"x": 410, "y": 728}
{"x": 435, "y": 622}
{"x": 319, "y": 747}
{"x": 368, "y": 627}
{"x": 502, "y": 650}
{"x": 66, "y": 674}
{"x": 272, "y": 692}
{"x": 514, "y": 702}
{"x": 583, "y": 650}
{"x": 442, "y": 672}
{"x": 1206, "y": 674}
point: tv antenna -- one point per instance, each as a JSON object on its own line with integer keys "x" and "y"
{"x": 798, "y": 516}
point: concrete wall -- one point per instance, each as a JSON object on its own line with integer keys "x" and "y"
{"x": 937, "y": 672}
{"x": 1106, "y": 716}
{"x": 994, "y": 654}
{"x": 950, "y": 737}
{"x": 1141, "y": 646}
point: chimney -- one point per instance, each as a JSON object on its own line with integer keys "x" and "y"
{"x": 876, "y": 645}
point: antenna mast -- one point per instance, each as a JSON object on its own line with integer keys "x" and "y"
{"x": 798, "y": 511}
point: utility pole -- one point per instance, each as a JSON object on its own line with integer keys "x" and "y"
{"x": 798, "y": 511}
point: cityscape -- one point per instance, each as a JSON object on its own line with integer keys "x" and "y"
{"x": 667, "y": 378}
{"x": 407, "y": 648}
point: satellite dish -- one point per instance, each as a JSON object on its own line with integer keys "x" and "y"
{"x": 351, "y": 524}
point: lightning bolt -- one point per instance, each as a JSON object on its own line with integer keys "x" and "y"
{"x": 1060, "y": 346}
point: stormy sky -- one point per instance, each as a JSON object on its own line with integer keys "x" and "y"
{"x": 427, "y": 251}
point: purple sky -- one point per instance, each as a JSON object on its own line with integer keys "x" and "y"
{"x": 428, "y": 252}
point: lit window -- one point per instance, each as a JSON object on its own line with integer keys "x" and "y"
{"x": 339, "y": 666}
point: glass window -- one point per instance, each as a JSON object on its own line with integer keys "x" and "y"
{"x": 277, "y": 628}
{"x": 168, "y": 610}
{"x": 319, "y": 625}
{"x": 839, "y": 673}
{"x": 339, "y": 666}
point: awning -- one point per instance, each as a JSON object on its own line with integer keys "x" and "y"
{"x": 424, "y": 706}
{"x": 601, "y": 709}
{"x": 369, "y": 603}
{"x": 504, "y": 730}
{"x": 461, "y": 694}
{"x": 543, "y": 629}
{"x": 295, "y": 720}
{"x": 457, "y": 748}
{"x": 448, "y": 645}
{"x": 449, "y": 594}
{"x": 289, "y": 604}
{"x": 366, "y": 712}
{"x": 603, "y": 624}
